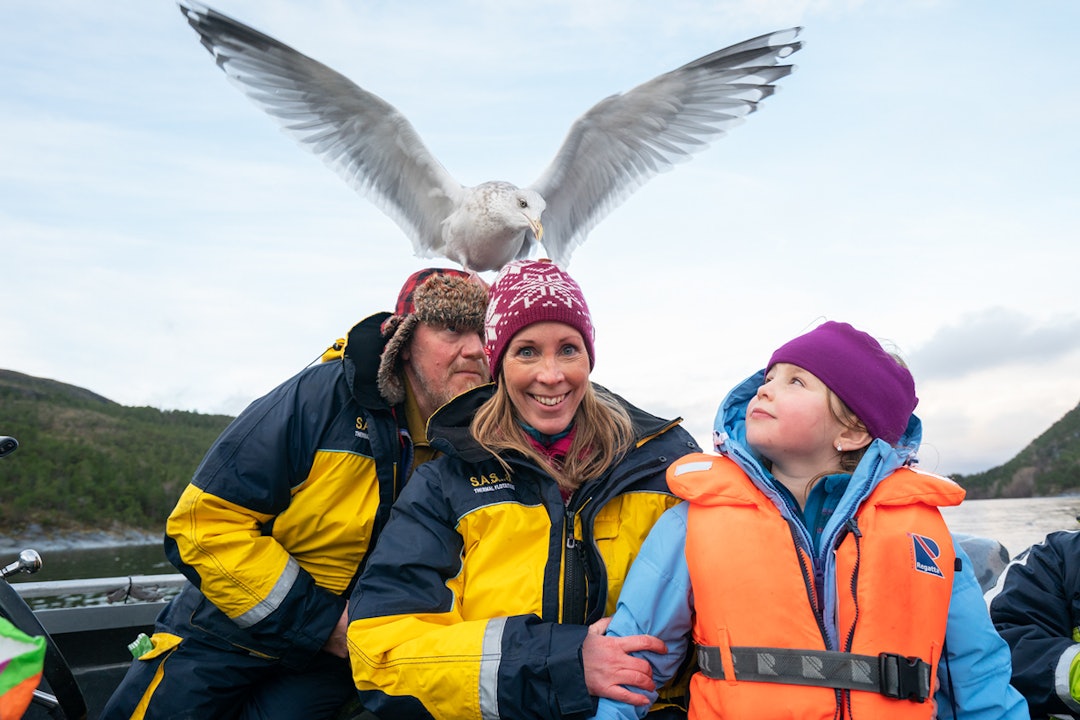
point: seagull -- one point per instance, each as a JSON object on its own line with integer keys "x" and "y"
{"x": 609, "y": 152}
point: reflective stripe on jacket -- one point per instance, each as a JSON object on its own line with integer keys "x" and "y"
{"x": 465, "y": 609}
{"x": 754, "y": 586}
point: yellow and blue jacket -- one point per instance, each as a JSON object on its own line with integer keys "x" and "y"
{"x": 476, "y": 602}
{"x": 279, "y": 517}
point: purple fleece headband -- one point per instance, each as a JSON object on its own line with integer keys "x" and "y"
{"x": 879, "y": 390}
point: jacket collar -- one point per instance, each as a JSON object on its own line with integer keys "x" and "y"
{"x": 361, "y": 359}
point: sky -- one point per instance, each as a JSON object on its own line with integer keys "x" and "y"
{"x": 164, "y": 244}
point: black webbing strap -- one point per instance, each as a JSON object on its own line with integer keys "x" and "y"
{"x": 895, "y": 676}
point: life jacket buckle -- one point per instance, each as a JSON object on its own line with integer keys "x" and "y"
{"x": 904, "y": 678}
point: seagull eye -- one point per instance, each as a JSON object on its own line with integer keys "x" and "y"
{"x": 523, "y": 203}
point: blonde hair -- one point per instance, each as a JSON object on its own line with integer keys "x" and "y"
{"x": 849, "y": 459}
{"x": 602, "y": 434}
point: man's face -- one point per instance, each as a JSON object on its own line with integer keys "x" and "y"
{"x": 441, "y": 362}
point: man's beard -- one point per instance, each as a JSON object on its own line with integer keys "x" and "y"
{"x": 437, "y": 391}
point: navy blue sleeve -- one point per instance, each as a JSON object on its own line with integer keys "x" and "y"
{"x": 1036, "y": 613}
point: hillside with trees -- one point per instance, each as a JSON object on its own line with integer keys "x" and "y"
{"x": 87, "y": 462}
{"x": 1050, "y": 465}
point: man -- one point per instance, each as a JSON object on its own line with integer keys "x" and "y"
{"x": 278, "y": 520}
{"x": 1038, "y": 614}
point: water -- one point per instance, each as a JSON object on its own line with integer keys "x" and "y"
{"x": 1015, "y": 523}
{"x": 95, "y": 562}
{"x": 118, "y": 561}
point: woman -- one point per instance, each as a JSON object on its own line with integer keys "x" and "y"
{"x": 478, "y": 600}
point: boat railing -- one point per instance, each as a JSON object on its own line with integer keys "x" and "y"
{"x": 92, "y": 586}
{"x": 134, "y": 600}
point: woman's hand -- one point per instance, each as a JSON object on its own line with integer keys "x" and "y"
{"x": 609, "y": 665}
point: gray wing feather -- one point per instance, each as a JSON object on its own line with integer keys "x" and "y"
{"x": 624, "y": 140}
{"x": 362, "y": 137}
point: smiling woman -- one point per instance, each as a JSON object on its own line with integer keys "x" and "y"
{"x": 507, "y": 553}
{"x": 540, "y": 343}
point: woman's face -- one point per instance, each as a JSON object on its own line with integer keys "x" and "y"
{"x": 546, "y": 370}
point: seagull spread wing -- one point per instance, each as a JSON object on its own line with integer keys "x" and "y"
{"x": 611, "y": 150}
{"x": 624, "y": 140}
{"x": 362, "y": 137}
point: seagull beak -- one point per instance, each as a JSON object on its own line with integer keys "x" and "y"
{"x": 537, "y": 228}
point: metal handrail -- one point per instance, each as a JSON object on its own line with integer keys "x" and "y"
{"x": 88, "y": 586}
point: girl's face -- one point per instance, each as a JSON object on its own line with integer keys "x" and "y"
{"x": 789, "y": 421}
{"x": 546, "y": 371}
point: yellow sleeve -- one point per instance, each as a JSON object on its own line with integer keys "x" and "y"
{"x": 436, "y": 658}
{"x": 240, "y": 569}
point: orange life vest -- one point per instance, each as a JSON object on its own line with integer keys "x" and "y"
{"x": 754, "y": 590}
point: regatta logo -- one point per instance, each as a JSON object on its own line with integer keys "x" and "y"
{"x": 926, "y": 553}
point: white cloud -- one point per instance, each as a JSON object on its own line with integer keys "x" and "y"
{"x": 164, "y": 244}
{"x": 993, "y": 338}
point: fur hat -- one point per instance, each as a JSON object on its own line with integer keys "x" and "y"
{"x": 877, "y": 388}
{"x": 437, "y": 296}
{"x": 532, "y": 291}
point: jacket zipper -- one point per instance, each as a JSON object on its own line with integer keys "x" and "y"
{"x": 852, "y": 526}
{"x": 810, "y": 585}
{"x": 577, "y": 553}
{"x": 575, "y": 586}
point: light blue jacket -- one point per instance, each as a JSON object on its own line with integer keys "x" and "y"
{"x": 657, "y": 598}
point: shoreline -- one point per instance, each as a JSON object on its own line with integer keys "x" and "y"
{"x": 38, "y": 538}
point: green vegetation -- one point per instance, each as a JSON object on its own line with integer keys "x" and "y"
{"x": 87, "y": 462}
{"x": 1050, "y": 465}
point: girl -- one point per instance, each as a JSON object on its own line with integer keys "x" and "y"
{"x": 811, "y": 567}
